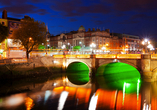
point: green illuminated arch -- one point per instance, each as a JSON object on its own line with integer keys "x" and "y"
{"x": 78, "y": 73}
{"x": 115, "y": 75}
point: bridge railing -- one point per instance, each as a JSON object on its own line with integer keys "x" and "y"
{"x": 118, "y": 56}
{"x": 153, "y": 56}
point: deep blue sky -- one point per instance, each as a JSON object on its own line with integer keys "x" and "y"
{"x": 135, "y": 17}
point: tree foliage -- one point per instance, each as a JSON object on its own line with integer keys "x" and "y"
{"x": 4, "y": 31}
{"x": 30, "y": 34}
{"x": 41, "y": 47}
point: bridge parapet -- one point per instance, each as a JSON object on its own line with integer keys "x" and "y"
{"x": 153, "y": 56}
{"x": 118, "y": 56}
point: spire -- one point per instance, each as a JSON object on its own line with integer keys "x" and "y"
{"x": 47, "y": 30}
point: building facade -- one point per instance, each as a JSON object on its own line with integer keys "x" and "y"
{"x": 112, "y": 42}
{"x": 3, "y": 45}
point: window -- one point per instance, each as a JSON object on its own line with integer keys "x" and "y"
{"x": 93, "y": 39}
{"x": 3, "y": 23}
{"x": 132, "y": 45}
{"x": 100, "y": 39}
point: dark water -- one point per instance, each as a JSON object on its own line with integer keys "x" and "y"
{"x": 71, "y": 92}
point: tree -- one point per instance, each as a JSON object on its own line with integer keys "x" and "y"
{"x": 30, "y": 34}
{"x": 41, "y": 47}
{"x": 4, "y": 32}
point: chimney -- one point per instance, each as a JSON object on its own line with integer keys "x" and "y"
{"x": 97, "y": 29}
{"x": 89, "y": 29}
{"x": 4, "y": 14}
{"x": 107, "y": 30}
{"x": 93, "y": 29}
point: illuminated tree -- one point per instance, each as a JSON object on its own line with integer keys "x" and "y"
{"x": 4, "y": 31}
{"x": 30, "y": 34}
{"x": 41, "y": 47}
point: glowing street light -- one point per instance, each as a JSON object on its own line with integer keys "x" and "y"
{"x": 63, "y": 47}
{"x": 103, "y": 48}
{"x": 92, "y": 46}
{"x": 146, "y": 45}
{"x": 69, "y": 45}
{"x": 30, "y": 39}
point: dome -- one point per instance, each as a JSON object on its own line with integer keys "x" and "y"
{"x": 81, "y": 29}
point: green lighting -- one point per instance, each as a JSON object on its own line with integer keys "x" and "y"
{"x": 139, "y": 81}
{"x": 78, "y": 73}
{"x": 126, "y": 84}
{"x": 118, "y": 75}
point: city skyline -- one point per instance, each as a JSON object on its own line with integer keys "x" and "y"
{"x": 136, "y": 17}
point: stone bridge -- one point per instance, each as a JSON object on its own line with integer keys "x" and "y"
{"x": 146, "y": 64}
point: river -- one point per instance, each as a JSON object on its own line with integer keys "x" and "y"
{"x": 75, "y": 92}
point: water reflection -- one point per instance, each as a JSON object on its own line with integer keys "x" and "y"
{"x": 57, "y": 94}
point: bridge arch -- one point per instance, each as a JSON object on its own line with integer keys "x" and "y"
{"x": 68, "y": 83}
{"x": 69, "y": 61}
{"x": 118, "y": 72}
{"x": 134, "y": 63}
{"x": 78, "y": 73}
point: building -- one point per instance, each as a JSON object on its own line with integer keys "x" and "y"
{"x": 129, "y": 43}
{"x": 3, "y": 45}
{"x": 7, "y": 48}
{"x": 112, "y": 42}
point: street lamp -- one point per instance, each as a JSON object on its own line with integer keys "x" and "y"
{"x": 30, "y": 39}
{"x": 63, "y": 47}
{"x": 126, "y": 49}
{"x": 146, "y": 44}
{"x": 69, "y": 45}
{"x": 92, "y": 46}
{"x": 70, "y": 49}
{"x": 103, "y": 48}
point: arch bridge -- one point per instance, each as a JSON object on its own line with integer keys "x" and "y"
{"x": 146, "y": 64}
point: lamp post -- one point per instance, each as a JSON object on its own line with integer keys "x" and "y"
{"x": 103, "y": 48}
{"x": 92, "y": 46}
{"x": 69, "y": 45}
{"x": 147, "y": 45}
{"x": 30, "y": 39}
{"x": 63, "y": 47}
{"x": 126, "y": 49}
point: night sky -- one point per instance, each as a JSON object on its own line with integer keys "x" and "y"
{"x": 135, "y": 17}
